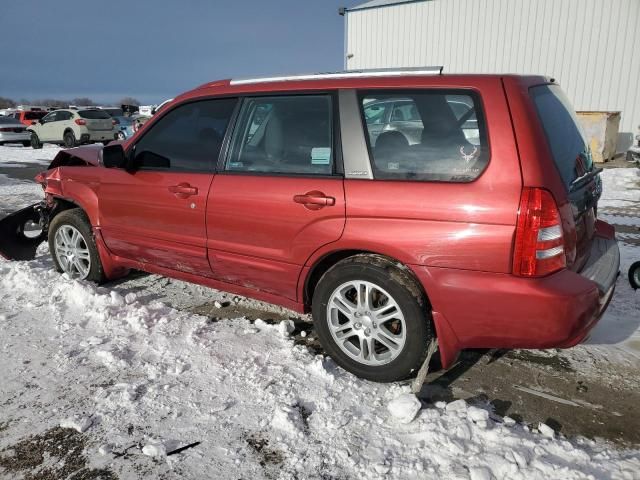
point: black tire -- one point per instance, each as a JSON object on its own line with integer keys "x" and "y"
{"x": 26, "y": 144}
{"x": 407, "y": 294}
{"x": 634, "y": 275}
{"x": 35, "y": 142}
{"x": 78, "y": 219}
{"x": 69, "y": 139}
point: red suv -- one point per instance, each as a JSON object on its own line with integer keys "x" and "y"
{"x": 469, "y": 216}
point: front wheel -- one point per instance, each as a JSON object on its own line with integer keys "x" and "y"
{"x": 634, "y": 275}
{"x": 372, "y": 318}
{"x": 121, "y": 136}
{"x": 73, "y": 246}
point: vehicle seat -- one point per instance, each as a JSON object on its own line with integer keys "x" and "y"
{"x": 391, "y": 148}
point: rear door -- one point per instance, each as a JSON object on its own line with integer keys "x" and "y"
{"x": 572, "y": 158}
{"x": 279, "y": 194}
{"x": 156, "y": 213}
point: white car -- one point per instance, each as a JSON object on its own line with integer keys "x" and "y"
{"x": 73, "y": 127}
{"x": 12, "y": 131}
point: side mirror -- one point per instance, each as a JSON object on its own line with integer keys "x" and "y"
{"x": 113, "y": 156}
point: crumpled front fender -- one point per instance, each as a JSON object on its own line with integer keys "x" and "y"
{"x": 14, "y": 244}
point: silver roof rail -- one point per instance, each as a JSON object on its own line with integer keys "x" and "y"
{"x": 373, "y": 72}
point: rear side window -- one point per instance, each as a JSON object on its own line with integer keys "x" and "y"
{"x": 570, "y": 150}
{"x": 428, "y": 135}
{"x": 94, "y": 114}
{"x": 285, "y": 135}
{"x": 187, "y": 138}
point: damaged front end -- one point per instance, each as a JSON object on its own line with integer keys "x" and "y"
{"x": 23, "y": 231}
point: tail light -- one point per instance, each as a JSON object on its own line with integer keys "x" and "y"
{"x": 80, "y": 121}
{"x": 539, "y": 245}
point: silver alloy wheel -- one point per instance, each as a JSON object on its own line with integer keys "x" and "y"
{"x": 366, "y": 323}
{"x": 121, "y": 135}
{"x": 72, "y": 252}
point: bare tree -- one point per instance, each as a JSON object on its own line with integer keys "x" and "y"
{"x": 7, "y": 103}
{"x": 82, "y": 101}
{"x": 129, "y": 101}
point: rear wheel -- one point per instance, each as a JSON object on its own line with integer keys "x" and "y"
{"x": 121, "y": 136}
{"x": 73, "y": 247}
{"x": 372, "y": 318}
{"x": 35, "y": 141}
{"x": 69, "y": 139}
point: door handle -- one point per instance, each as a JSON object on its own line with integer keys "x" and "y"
{"x": 314, "y": 200}
{"x": 183, "y": 190}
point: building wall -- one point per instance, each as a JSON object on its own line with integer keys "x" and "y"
{"x": 592, "y": 47}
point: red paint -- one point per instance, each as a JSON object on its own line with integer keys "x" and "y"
{"x": 261, "y": 236}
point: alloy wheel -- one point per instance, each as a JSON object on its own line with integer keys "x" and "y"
{"x": 72, "y": 252}
{"x": 366, "y": 323}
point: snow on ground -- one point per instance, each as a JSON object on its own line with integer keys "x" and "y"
{"x": 14, "y": 155}
{"x": 134, "y": 373}
{"x": 141, "y": 379}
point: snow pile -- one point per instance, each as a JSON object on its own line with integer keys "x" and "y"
{"x": 15, "y": 155}
{"x": 147, "y": 379}
{"x": 620, "y": 187}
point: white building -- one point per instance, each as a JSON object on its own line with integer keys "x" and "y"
{"x": 592, "y": 47}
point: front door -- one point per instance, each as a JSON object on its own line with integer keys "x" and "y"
{"x": 156, "y": 213}
{"x": 278, "y": 196}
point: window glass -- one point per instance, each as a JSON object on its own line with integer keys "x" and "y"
{"x": 284, "y": 134}
{"x": 187, "y": 138}
{"x": 94, "y": 114}
{"x": 430, "y": 135}
{"x": 9, "y": 121}
{"x": 375, "y": 113}
{"x": 50, "y": 118}
{"x": 64, "y": 116}
{"x": 566, "y": 139}
{"x": 33, "y": 115}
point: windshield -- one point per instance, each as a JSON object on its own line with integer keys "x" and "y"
{"x": 570, "y": 150}
{"x": 34, "y": 115}
{"x": 94, "y": 114}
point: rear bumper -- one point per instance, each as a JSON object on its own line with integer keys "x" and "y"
{"x": 489, "y": 310}
{"x": 14, "y": 137}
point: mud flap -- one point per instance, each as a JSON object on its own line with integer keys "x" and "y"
{"x": 14, "y": 243}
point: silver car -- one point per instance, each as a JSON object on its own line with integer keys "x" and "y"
{"x": 12, "y": 131}
{"x": 401, "y": 115}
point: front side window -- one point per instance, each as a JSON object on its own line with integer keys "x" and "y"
{"x": 284, "y": 134}
{"x": 430, "y": 136}
{"x": 50, "y": 118}
{"x": 188, "y": 138}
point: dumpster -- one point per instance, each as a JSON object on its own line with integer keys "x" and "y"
{"x": 601, "y": 129}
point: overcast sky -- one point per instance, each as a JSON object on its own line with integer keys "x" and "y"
{"x": 155, "y": 49}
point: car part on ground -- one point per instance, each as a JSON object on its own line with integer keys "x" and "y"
{"x": 486, "y": 239}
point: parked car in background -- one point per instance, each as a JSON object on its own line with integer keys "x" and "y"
{"x": 29, "y": 116}
{"x": 124, "y": 127}
{"x": 73, "y": 127}
{"x": 633, "y": 154}
{"x": 12, "y": 131}
{"x": 279, "y": 189}
{"x": 401, "y": 115}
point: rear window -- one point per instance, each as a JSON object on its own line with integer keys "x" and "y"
{"x": 570, "y": 150}
{"x": 34, "y": 115}
{"x": 94, "y": 114}
{"x": 9, "y": 121}
{"x": 114, "y": 112}
{"x": 427, "y": 135}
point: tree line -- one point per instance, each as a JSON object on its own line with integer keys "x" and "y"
{"x": 54, "y": 102}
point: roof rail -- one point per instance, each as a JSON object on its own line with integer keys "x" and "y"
{"x": 373, "y": 72}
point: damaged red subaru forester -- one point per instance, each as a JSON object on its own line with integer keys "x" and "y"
{"x": 396, "y": 206}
